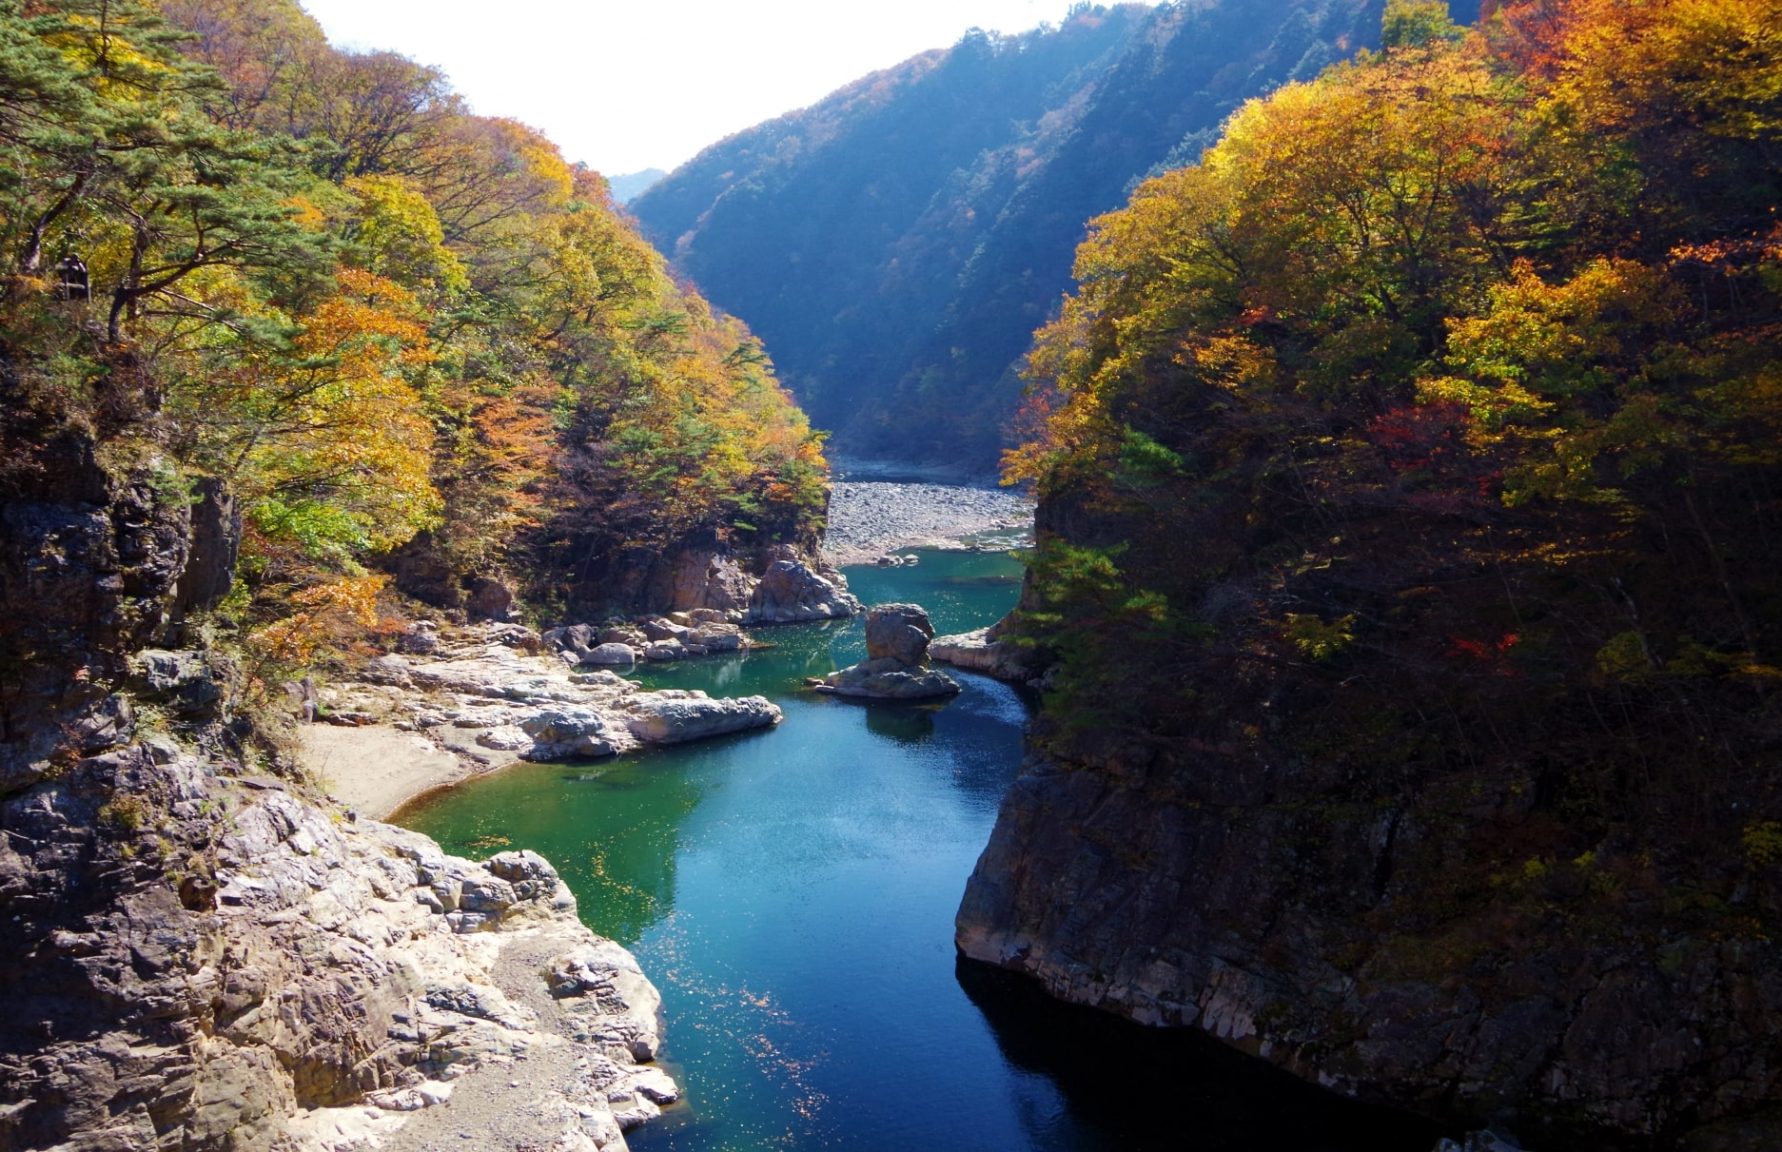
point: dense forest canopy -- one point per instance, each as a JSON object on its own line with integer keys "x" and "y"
{"x": 897, "y": 243}
{"x": 1410, "y": 515}
{"x": 1429, "y": 426}
{"x": 383, "y": 322}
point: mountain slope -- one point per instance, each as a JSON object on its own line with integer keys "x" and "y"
{"x": 1408, "y": 531}
{"x": 896, "y": 244}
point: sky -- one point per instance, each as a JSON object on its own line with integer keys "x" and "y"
{"x": 639, "y": 84}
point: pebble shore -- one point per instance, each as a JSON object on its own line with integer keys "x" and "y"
{"x": 870, "y": 519}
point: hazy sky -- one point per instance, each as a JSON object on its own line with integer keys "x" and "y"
{"x": 632, "y": 84}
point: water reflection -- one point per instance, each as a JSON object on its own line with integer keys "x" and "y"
{"x": 1109, "y": 1070}
{"x": 903, "y": 723}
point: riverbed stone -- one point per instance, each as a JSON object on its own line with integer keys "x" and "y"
{"x": 569, "y": 731}
{"x": 620, "y": 655}
{"x": 887, "y": 679}
{"x": 675, "y": 718}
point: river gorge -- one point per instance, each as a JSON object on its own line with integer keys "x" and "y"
{"x": 792, "y": 893}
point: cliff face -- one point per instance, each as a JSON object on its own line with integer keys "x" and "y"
{"x": 201, "y": 955}
{"x": 1416, "y": 877}
{"x": 1411, "y": 601}
{"x": 1246, "y": 903}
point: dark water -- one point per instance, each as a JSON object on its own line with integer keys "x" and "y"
{"x": 792, "y": 893}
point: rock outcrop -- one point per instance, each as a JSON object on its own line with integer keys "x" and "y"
{"x": 1283, "y": 852}
{"x": 795, "y": 588}
{"x": 772, "y": 584}
{"x": 206, "y": 959}
{"x": 985, "y": 650}
{"x": 698, "y": 632}
{"x": 89, "y": 565}
{"x": 896, "y": 664}
{"x": 898, "y": 632}
{"x": 201, "y": 953}
{"x": 479, "y": 688}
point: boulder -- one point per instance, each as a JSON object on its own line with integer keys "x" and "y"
{"x": 675, "y": 718}
{"x": 898, "y": 632}
{"x": 795, "y": 588}
{"x": 717, "y": 636}
{"x": 661, "y": 628}
{"x": 665, "y": 650}
{"x": 887, "y": 679}
{"x": 568, "y": 731}
{"x": 576, "y": 638}
{"x": 896, "y": 664}
{"x": 624, "y": 634}
{"x": 620, "y": 655}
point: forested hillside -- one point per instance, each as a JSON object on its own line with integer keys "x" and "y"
{"x": 1409, "y": 488}
{"x": 897, "y": 243}
{"x": 403, "y": 338}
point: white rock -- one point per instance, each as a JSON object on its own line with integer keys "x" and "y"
{"x": 659, "y": 718}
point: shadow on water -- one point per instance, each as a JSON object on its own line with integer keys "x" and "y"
{"x": 1112, "y": 1074}
{"x": 904, "y": 723}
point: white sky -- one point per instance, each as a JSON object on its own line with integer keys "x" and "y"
{"x": 630, "y": 84}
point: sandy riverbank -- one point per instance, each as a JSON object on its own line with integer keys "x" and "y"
{"x": 376, "y": 768}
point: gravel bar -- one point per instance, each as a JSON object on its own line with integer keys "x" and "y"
{"x": 869, "y": 519}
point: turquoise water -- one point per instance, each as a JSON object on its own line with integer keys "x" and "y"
{"x": 792, "y": 894}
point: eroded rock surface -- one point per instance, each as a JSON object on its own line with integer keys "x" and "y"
{"x": 795, "y": 588}
{"x": 208, "y": 960}
{"x": 983, "y": 650}
{"x": 898, "y": 632}
{"x": 896, "y": 667}
{"x": 482, "y": 688}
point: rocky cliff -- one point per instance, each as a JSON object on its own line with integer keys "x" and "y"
{"x": 1411, "y": 607}
{"x": 200, "y": 953}
{"x": 1488, "y": 915}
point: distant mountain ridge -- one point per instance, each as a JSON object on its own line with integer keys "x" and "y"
{"x": 896, "y": 244}
{"x": 629, "y": 186}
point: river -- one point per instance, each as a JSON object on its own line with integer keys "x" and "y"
{"x": 792, "y": 894}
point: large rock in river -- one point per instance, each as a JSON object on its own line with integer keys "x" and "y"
{"x": 898, "y": 632}
{"x": 887, "y": 679}
{"x": 676, "y": 717}
{"x": 796, "y": 588}
{"x": 896, "y": 667}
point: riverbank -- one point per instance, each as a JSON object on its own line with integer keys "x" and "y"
{"x": 392, "y": 744}
{"x": 462, "y": 701}
{"x": 870, "y": 519}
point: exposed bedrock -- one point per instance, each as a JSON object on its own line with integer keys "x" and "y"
{"x": 896, "y": 665}
{"x": 208, "y": 962}
{"x": 199, "y": 953}
{"x": 1334, "y": 937}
